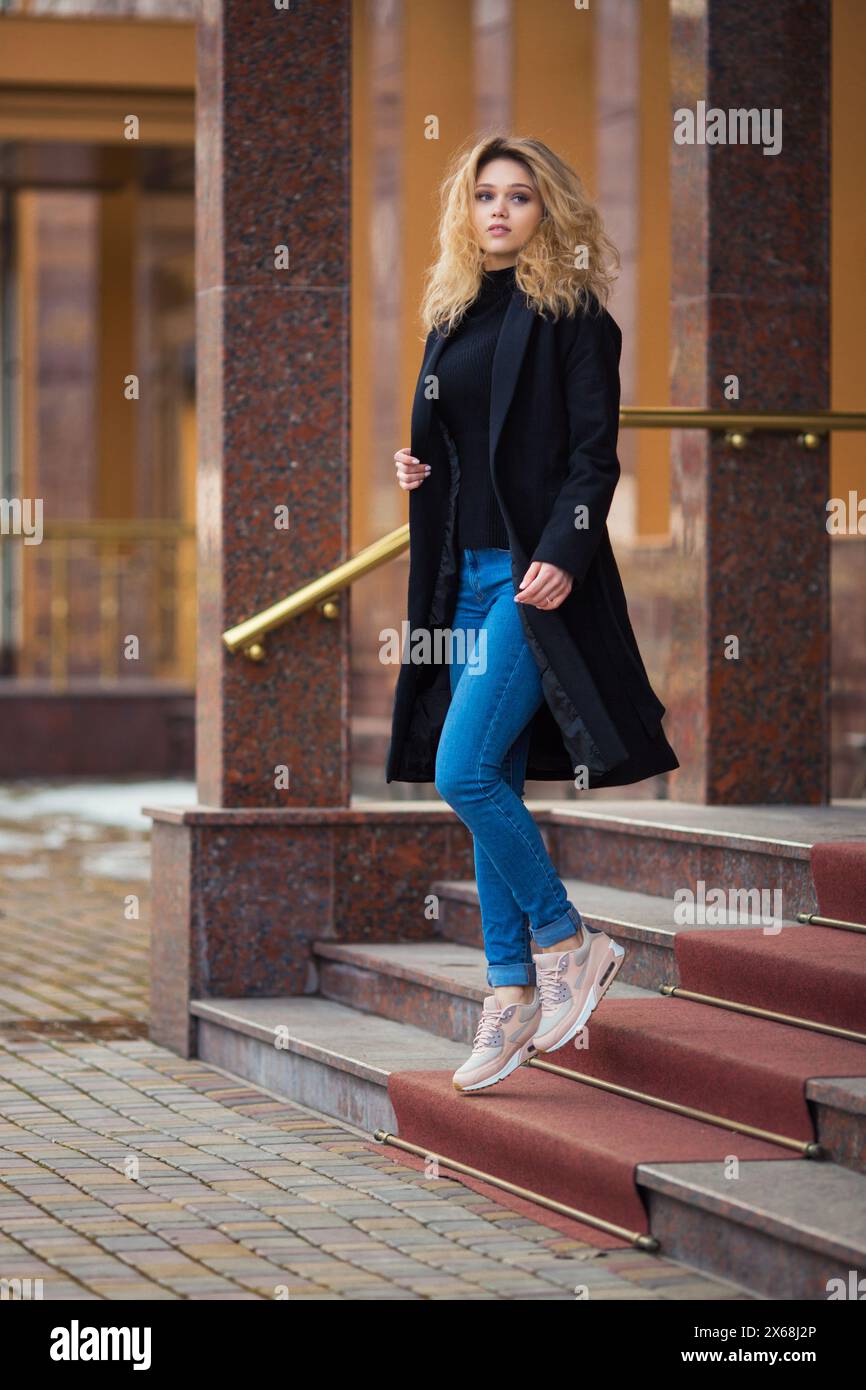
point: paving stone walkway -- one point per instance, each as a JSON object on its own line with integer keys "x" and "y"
{"x": 127, "y": 1172}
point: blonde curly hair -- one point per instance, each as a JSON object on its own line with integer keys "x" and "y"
{"x": 545, "y": 268}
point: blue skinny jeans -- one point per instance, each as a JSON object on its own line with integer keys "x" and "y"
{"x": 481, "y": 766}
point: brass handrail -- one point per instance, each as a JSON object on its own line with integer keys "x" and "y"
{"x": 322, "y": 592}
{"x": 684, "y": 417}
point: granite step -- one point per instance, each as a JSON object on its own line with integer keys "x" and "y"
{"x": 439, "y": 985}
{"x": 787, "y": 1230}
{"x": 643, "y": 922}
{"x": 815, "y": 973}
{"x": 319, "y": 1052}
{"x": 782, "y": 1231}
{"x": 664, "y": 846}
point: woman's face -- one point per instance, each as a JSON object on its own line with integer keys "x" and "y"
{"x": 505, "y": 199}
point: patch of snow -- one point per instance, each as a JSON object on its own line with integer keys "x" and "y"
{"x": 87, "y": 800}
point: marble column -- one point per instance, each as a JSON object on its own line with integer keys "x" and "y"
{"x": 241, "y": 883}
{"x": 272, "y": 264}
{"x": 749, "y": 683}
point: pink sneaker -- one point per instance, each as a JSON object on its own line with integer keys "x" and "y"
{"x": 570, "y": 990}
{"x": 503, "y": 1040}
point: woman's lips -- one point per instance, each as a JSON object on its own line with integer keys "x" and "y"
{"x": 499, "y": 231}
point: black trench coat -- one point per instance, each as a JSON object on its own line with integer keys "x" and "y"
{"x": 554, "y": 419}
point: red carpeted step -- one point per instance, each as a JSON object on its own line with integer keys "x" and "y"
{"x": 746, "y": 1069}
{"x": 810, "y": 972}
{"x": 839, "y": 875}
{"x": 574, "y": 1143}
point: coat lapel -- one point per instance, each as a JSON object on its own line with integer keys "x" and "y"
{"x": 507, "y": 361}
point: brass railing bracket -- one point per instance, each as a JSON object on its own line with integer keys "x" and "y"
{"x": 737, "y": 439}
{"x": 330, "y": 608}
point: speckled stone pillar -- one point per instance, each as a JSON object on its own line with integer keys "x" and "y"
{"x": 240, "y": 893}
{"x": 272, "y": 226}
{"x": 750, "y": 278}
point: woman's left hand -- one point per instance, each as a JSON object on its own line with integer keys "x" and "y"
{"x": 544, "y": 585}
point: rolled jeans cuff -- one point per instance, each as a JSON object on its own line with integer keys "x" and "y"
{"x": 569, "y": 924}
{"x": 521, "y": 973}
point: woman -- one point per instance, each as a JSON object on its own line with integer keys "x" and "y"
{"x": 511, "y": 471}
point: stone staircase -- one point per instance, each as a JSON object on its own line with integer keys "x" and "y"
{"x": 738, "y": 1198}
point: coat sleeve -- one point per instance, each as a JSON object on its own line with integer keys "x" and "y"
{"x": 577, "y": 520}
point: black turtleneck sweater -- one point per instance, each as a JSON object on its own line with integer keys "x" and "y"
{"x": 465, "y": 371}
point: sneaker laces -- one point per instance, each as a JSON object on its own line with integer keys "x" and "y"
{"x": 551, "y": 986}
{"x": 487, "y": 1030}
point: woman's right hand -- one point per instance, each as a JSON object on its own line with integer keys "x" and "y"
{"x": 410, "y": 473}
